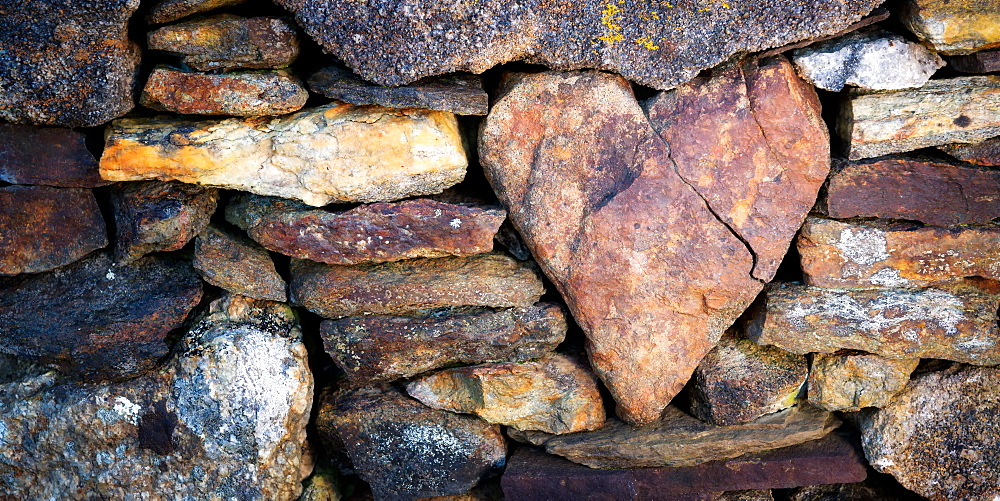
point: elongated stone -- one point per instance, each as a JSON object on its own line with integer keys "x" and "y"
{"x": 853, "y": 381}
{"x": 239, "y": 93}
{"x": 955, "y": 110}
{"x": 226, "y": 42}
{"x": 978, "y": 62}
{"x": 953, "y": 27}
{"x": 377, "y": 348}
{"x": 49, "y": 156}
{"x": 238, "y": 265}
{"x": 459, "y": 94}
{"x": 331, "y": 153}
{"x": 956, "y": 321}
{"x": 983, "y": 153}
{"x": 157, "y": 216}
{"x": 172, "y": 10}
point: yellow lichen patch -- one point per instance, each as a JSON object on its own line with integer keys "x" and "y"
{"x": 647, "y": 43}
{"x": 614, "y": 30}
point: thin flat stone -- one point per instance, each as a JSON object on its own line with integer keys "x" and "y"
{"x": 49, "y": 156}
{"x": 983, "y": 153}
{"x": 461, "y": 94}
{"x": 159, "y": 216}
{"x": 986, "y": 61}
{"x": 238, "y": 265}
{"x": 227, "y": 42}
{"x": 172, "y": 10}
{"x": 239, "y": 93}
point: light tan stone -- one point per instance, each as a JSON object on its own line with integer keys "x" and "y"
{"x": 854, "y": 381}
{"x": 954, "y": 27}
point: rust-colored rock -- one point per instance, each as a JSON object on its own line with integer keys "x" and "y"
{"x": 983, "y": 153}
{"x": 632, "y": 242}
{"x": 377, "y": 348}
{"x": 42, "y": 228}
{"x": 226, "y": 42}
{"x": 555, "y": 394}
{"x": 978, "y": 62}
{"x": 239, "y": 93}
{"x": 953, "y": 27}
{"x": 931, "y": 191}
{"x": 172, "y": 10}
{"x": 852, "y": 381}
{"x": 238, "y": 265}
{"x": 374, "y": 233}
{"x": 47, "y": 155}
{"x": 839, "y": 254}
{"x": 158, "y": 216}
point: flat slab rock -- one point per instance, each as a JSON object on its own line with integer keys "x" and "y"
{"x": 853, "y": 381}
{"x": 321, "y": 155}
{"x": 239, "y": 93}
{"x": 172, "y": 10}
{"x": 227, "y": 42}
{"x": 460, "y": 94}
{"x": 49, "y": 156}
{"x": 982, "y": 153}
{"x": 226, "y": 417}
{"x": 953, "y": 28}
{"x": 655, "y": 254}
{"x": 374, "y": 233}
{"x": 380, "y": 348}
{"x": 95, "y": 319}
{"x": 679, "y": 439}
{"x": 978, "y": 62}
{"x": 159, "y": 216}
{"x": 237, "y": 264}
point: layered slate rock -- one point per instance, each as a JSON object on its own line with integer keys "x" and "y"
{"x": 978, "y": 62}
{"x": 938, "y": 437}
{"x": 556, "y": 394}
{"x": 95, "y": 319}
{"x": 954, "y": 110}
{"x": 660, "y": 44}
{"x": 852, "y": 381}
{"x": 374, "y": 233}
{"x": 380, "y": 348}
{"x": 226, "y": 42}
{"x": 172, "y": 10}
{"x": 237, "y": 264}
{"x": 954, "y": 28}
{"x": 935, "y": 192}
{"x": 321, "y": 155}
{"x": 649, "y": 252}
{"x": 48, "y": 156}
{"x": 871, "y": 58}
{"x": 226, "y": 417}
{"x": 66, "y": 63}
{"x": 42, "y": 228}
{"x": 739, "y": 381}
{"x": 982, "y": 153}
{"x": 157, "y": 216}
{"x": 461, "y": 94}
{"x": 956, "y": 321}
{"x": 493, "y": 280}
{"x": 838, "y": 254}
{"x": 239, "y": 93}
{"x": 406, "y": 450}
{"x": 678, "y": 439}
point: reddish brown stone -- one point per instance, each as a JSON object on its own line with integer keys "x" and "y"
{"x": 226, "y": 42}
{"x": 47, "y": 155}
{"x": 933, "y": 192}
{"x": 172, "y": 10}
{"x": 240, "y": 93}
{"x": 157, "y": 216}
{"x": 985, "y": 153}
{"x": 42, "y": 228}
{"x": 374, "y": 233}
{"x": 238, "y": 265}
{"x": 985, "y": 61}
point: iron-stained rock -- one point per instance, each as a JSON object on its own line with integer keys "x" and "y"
{"x": 983, "y": 153}
{"x": 379, "y": 348}
{"x": 953, "y": 27}
{"x": 978, "y": 62}
{"x": 852, "y": 381}
{"x": 240, "y": 93}
{"x": 238, "y": 265}
{"x": 555, "y": 394}
{"x": 157, "y": 216}
{"x": 47, "y": 155}
{"x": 172, "y": 10}
{"x": 321, "y": 155}
{"x": 460, "y": 94}
{"x": 226, "y": 42}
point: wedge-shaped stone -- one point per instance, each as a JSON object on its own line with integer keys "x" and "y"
{"x": 226, "y": 42}
{"x": 238, "y": 265}
{"x": 955, "y": 322}
{"x": 460, "y": 94}
{"x": 239, "y": 93}
{"x": 377, "y": 348}
{"x": 556, "y": 394}
{"x": 47, "y": 155}
{"x": 954, "y": 27}
{"x": 983, "y": 153}
{"x": 159, "y": 216}
{"x": 955, "y": 110}
{"x": 839, "y": 254}
{"x": 852, "y": 381}
{"x": 172, "y": 10}
{"x": 335, "y": 153}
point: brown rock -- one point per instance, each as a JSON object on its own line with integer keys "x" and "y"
{"x": 955, "y": 321}
{"x": 852, "y": 381}
{"x": 375, "y": 348}
{"x": 493, "y": 280}
{"x": 42, "y": 228}
{"x": 983, "y": 153}
{"x": 375, "y": 233}
{"x": 747, "y": 495}
{"x": 157, "y": 216}
{"x": 555, "y": 394}
{"x": 226, "y": 42}
{"x": 954, "y": 28}
{"x": 838, "y": 254}
{"x": 930, "y": 191}
{"x": 739, "y": 381}
{"x": 978, "y": 62}
{"x": 172, "y": 10}
{"x": 678, "y": 439}
{"x": 240, "y": 93}
{"x": 460, "y": 94}
{"x": 47, "y": 155}
{"x": 238, "y": 265}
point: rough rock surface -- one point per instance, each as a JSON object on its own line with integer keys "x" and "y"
{"x": 979, "y": 62}
{"x": 954, "y": 27}
{"x": 406, "y": 450}
{"x": 66, "y": 62}
{"x": 95, "y": 319}
{"x": 42, "y": 228}
{"x": 852, "y": 381}
{"x": 157, "y": 216}
{"x": 331, "y": 153}
{"x": 983, "y": 153}
{"x": 239, "y": 93}
{"x": 172, "y": 10}
{"x": 954, "y": 110}
{"x": 374, "y": 233}
{"x": 871, "y": 58}
{"x": 226, "y": 42}
{"x": 460, "y": 94}
{"x": 647, "y": 247}
{"x": 556, "y": 394}
{"x": 238, "y": 265}
{"x": 225, "y": 418}
{"x": 678, "y": 439}
{"x": 494, "y": 280}
{"x": 656, "y": 44}
{"x": 747, "y": 495}
{"x": 955, "y": 321}
{"x": 938, "y": 437}
{"x": 47, "y": 155}
{"x": 839, "y": 254}
{"x": 377, "y": 348}
{"x": 739, "y": 381}
{"x": 931, "y": 191}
